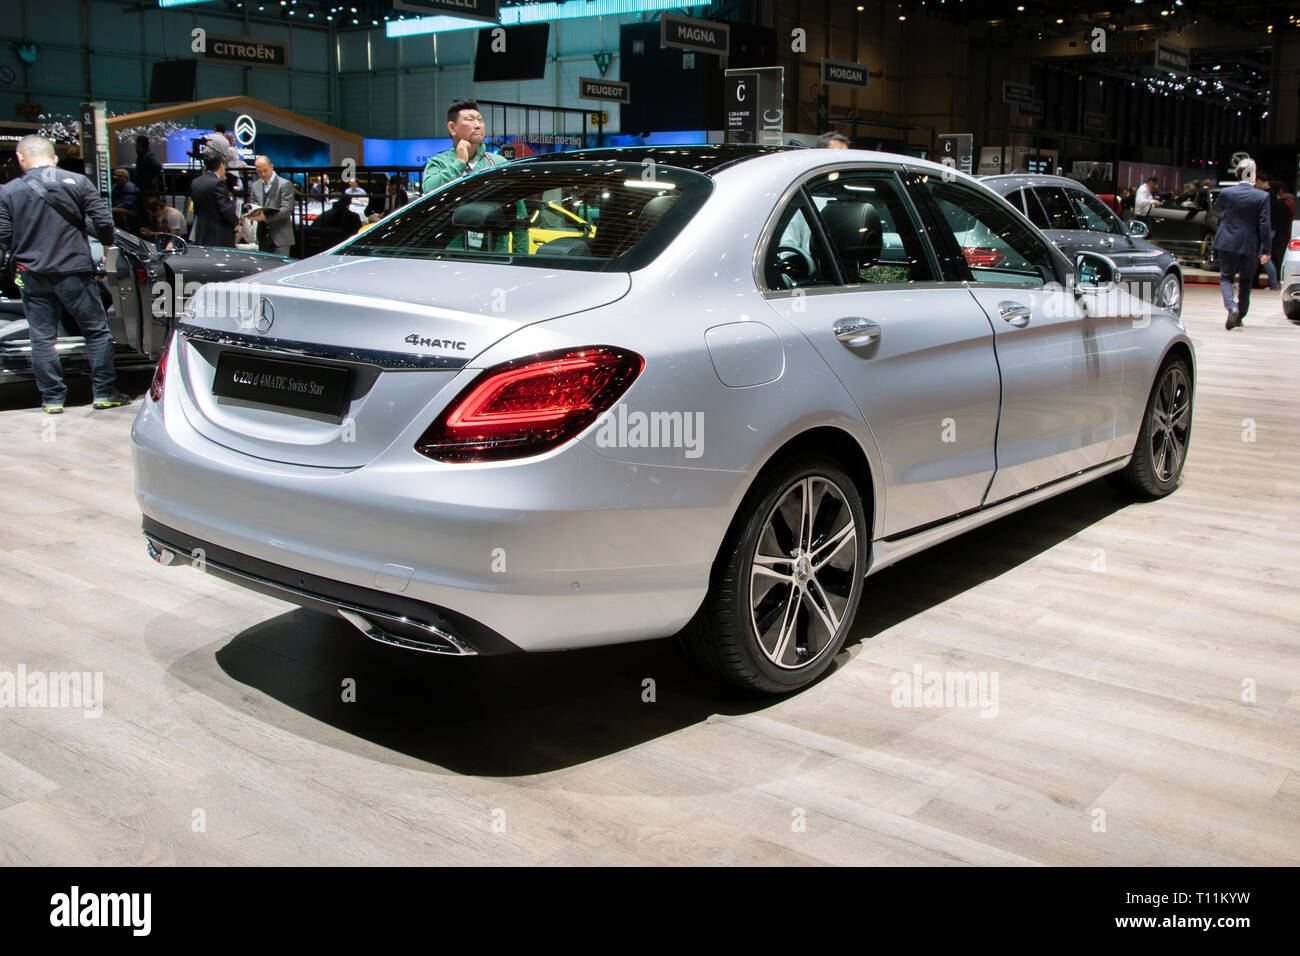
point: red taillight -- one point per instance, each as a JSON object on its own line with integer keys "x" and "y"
{"x": 1294, "y": 245}
{"x": 530, "y": 405}
{"x": 140, "y": 275}
{"x": 159, "y": 373}
{"x": 980, "y": 258}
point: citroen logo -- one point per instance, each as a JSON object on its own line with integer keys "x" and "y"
{"x": 245, "y": 129}
{"x": 264, "y": 317}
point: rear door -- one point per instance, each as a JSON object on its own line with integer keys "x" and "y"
{"x": 846, "y": 264}
{"x": 1061, "y": 369}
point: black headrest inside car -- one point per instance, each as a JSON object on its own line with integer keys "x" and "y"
{"x": 565, "y": 246}
{"x": 655, "y": 208}
{"x": 855, "y": 229}
{"x": 484, "y": 215}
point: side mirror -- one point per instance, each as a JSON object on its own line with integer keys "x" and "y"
{"x": 1138, "y": 229}
{"x": 1095, "y": 273}
{"x": 169, "y": 245}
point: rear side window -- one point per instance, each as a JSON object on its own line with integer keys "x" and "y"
{"x": 796, "y": 256}
{"x": 1060, "y": 214}
{"x": 871, "y": 227}
{"x": 1033, "y": 209}
{"x": 589, "y": 216}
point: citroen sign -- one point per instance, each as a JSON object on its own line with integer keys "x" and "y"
{"x": 245, "y": 129}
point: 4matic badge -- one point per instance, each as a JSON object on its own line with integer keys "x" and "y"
{"x": 416, "y": 339}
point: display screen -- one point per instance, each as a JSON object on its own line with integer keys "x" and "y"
{"x": 519, "y": 55}
{"x": 172, "y": 82}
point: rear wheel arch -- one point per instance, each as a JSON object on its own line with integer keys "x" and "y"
{"x": 1180, "y": 350}
{"x": 824, "y": 440}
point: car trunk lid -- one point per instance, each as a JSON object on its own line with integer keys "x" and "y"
{"x": 327, "y": 362}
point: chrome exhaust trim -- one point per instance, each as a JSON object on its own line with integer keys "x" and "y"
{"x": 446, "y": 643}
{"x": 159, "y": 553}
{"x": 426, "y": 638}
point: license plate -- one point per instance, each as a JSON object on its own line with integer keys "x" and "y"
{"x": 302, "y": 385}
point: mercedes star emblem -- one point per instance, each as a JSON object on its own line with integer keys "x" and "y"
{"x": 265, "y": 316}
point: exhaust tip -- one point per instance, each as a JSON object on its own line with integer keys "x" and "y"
{"x": 160, "y": 554}
{"x": 431, "y": 640}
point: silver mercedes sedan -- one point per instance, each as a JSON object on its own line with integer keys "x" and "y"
{"x": 737, "y": 382}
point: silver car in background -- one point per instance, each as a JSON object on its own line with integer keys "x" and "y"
{"x": 1077, "y": 220}
{"x": 1289, "y": 275}
{"x": 765, "y": 374}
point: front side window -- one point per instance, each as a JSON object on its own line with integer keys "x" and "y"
{"x": 1093, "y": 213}
{"x": 997, "y": 246}
{"x": 871, "y": 227}
{"x": 610, "y": 216}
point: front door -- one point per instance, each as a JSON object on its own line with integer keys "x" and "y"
{"x": 1061, "y": 369}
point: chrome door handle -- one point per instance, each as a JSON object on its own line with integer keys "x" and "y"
{"x": 1015, "y": 313}
{"x": 1108, "y": 241}
{"x": 856, "y": 332}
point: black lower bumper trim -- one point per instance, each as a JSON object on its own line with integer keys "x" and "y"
{"x": 327, "y": 595}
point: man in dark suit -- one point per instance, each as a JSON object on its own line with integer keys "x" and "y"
{"x": 1242, "y": 239}
{"x": 214, "y": 214}
{"x": 394, "y": 198}
{"x": 148, "y": 169}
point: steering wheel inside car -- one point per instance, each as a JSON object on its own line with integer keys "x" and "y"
{"x": 795, "y": 265}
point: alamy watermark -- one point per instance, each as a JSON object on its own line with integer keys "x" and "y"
{"x": 623, "y": 428}
{"x": 946, "y": 689}
{"x": 78, "y": 690}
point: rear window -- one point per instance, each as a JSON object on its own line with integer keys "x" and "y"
{"x": 589, "y": 216}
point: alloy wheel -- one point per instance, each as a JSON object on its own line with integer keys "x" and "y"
{"x": 1170, "y": 295}
{"x": 1171, "y": 419}
{"x": 803, "y": 572}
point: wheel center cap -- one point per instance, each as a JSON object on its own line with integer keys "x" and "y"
{"x": 802, "y": 568}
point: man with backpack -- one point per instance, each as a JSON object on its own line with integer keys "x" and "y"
{"x": 43, "y": 220}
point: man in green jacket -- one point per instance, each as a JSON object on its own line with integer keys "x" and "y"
{"x": 467, "y": 154}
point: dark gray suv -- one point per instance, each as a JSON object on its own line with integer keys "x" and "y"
{"x": 1076, "y": 220}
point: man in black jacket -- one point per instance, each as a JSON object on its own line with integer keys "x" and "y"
{"x": 214, "y": 214}
{"x": 148, "y": 170}
{"x": 43, "y": 220}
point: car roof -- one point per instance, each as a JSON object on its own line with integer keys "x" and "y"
{"x": 713, "y": 159}
{"x": 1006, "y": 182}
{"x": 701, "y": 158}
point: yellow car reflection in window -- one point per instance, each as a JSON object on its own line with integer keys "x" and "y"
{"x": 549, "y": 220}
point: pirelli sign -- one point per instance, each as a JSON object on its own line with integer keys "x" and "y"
{"x": 242, "y": 51}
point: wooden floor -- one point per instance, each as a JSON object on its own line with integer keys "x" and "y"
{"x": 1123, "y": 639}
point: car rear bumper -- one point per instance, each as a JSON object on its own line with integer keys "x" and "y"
{"x": 562, "y": 551}
{"x": 382, "y": 616}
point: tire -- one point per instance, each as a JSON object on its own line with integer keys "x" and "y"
{"x": 781, "y": 637}
{"x": 1169, "y": 293}
{"x": 1292, "y": 310}
{"x": 1163, "y": 440}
